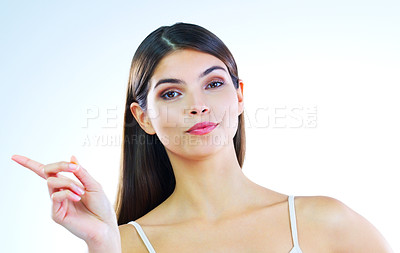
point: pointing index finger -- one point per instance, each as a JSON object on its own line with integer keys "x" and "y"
{"x": 30, "y": 164}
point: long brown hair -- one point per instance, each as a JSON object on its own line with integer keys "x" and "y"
{"x": 147, "y": 177}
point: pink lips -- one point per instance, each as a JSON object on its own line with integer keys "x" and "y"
{"x": 202, "y": 128}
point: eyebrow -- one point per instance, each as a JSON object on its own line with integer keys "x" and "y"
{"x": 174, "y": 80}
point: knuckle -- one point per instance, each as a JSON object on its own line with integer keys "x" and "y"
{"x": 51, "y": 181}
{"x": 71, "y": 185}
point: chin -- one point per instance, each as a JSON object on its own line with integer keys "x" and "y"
{"x": 200, "y": 153}
{"x": 200, "y": 147}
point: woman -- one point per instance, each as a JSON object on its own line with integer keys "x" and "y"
{"x": 182, "y": 188}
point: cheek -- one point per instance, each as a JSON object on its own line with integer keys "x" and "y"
{"x": 165, "y": 119}
{"x": 232, "y": 122}
{"x": 226, "y": 110}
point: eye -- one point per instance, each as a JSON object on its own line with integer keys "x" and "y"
{"x": 215, "y": 84}
{"x": 169, "y": 94}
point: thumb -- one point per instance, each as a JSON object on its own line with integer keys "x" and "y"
{"x": 84, "y": 177}
{"x": 74, "y": 160}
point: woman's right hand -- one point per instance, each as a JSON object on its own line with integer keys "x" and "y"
{"x": 81, "y": 207}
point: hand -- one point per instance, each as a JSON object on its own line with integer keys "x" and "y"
{"x": 81, "y": 207}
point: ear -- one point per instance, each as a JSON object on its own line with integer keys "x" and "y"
{"x": 142, "y": 118}
{"x": 239, "y": 91}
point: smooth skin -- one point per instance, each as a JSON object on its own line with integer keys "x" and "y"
{"x": 215, "y": 207}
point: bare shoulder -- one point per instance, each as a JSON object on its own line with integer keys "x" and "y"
{"x": 321, "y": 209}
{"x": 338, "y": 226}
{"x": 130, "y": 240}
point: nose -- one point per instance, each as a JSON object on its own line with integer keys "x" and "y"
{"x": 199, "y": 109}
{"x": 197, "y": 105}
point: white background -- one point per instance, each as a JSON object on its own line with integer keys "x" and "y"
{"x": 62, "y": 63}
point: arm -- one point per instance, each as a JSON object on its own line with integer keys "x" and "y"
{"x": 356, "y": 233}
{"x": 109, "y": 242}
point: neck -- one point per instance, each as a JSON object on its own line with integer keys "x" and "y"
{"x": 210, "y": 188}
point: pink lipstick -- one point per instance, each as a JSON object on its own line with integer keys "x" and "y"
{"x": 202, "y": 128}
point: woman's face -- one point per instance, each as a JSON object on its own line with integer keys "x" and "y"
{"x": 190, "y": 87}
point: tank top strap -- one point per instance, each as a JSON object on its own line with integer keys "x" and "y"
{"x": 143, "y": 236}
{"x": 293, "y": 225}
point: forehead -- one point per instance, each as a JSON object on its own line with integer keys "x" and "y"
{"x": 185, "y": 63}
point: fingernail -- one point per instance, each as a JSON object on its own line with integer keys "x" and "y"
{"x": 79, "y": 190}
{"x": 72, "y": 167}
{"x": 76, "y": 197}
